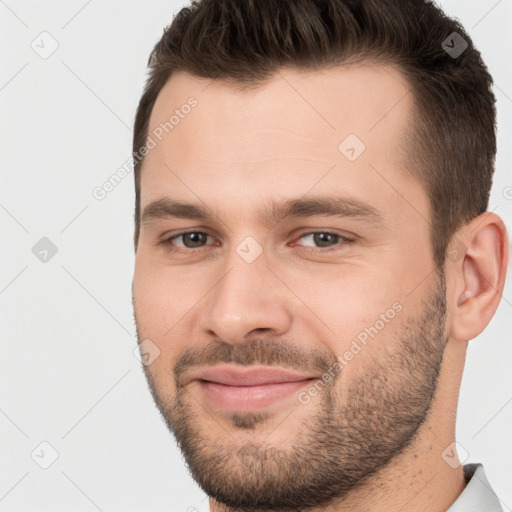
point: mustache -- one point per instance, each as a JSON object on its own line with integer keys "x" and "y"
{"x": 259, "y": 351}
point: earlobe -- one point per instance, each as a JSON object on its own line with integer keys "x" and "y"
{"x": 479, "y": 275}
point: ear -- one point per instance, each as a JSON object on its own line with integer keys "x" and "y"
{"x": 476, "y": 268}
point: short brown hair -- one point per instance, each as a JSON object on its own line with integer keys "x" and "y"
{"x": 452, "y": 139}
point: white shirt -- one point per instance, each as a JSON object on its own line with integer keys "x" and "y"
{"x": 478, "y": 495}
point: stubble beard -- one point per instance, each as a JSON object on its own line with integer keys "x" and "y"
{"x": 354, "y": 430}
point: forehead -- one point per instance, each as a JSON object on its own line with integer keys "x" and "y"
{"x": 284, "y": 134}
{"x": 366, "y": 99}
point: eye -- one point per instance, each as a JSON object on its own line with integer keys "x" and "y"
{"x": 324, "y": 240}
{"x": 190, "y": 240}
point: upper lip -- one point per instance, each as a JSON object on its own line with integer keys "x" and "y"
{"x": 257, "y": 375}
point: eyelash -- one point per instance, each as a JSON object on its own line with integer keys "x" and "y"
{"x": 342, "y": 240}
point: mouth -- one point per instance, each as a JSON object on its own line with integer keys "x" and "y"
{"x": 231, "y": 388}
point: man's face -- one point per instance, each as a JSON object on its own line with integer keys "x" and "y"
{"x": 350, "y": 304}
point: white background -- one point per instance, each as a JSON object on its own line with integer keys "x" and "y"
{"x": 68, "y": 374}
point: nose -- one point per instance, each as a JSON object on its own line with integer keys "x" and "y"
{"x": 247, "y": 299}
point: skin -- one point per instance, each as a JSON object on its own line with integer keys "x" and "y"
{"x": 237, "y": 150}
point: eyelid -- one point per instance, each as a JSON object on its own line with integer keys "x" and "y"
{"x": 324, "y": 230}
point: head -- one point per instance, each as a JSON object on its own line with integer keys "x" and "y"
{"x": 336, "y": 160}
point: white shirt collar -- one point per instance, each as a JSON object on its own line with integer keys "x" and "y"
{"x": 478, "y": 495}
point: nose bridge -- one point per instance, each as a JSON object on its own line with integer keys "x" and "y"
{"x": 247, "y": 297}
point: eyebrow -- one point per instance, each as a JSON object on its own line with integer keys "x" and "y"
{"x": 272, "y": 212}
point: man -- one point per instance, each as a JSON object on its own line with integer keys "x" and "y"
{"x": 314, "y": 250}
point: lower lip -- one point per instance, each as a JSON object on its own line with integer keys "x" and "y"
{"x": 237, "y": 398}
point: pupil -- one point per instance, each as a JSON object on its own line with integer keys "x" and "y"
{"x": 196, "y": 239}
{"x": 322, "y": 239}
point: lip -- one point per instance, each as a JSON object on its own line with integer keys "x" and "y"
{"x": 232, "y": 388}
{"x": 231, "y": 375}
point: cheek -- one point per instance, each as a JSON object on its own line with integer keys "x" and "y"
{"x": 348, "y": 298}
{"x": 362, "y": 310}
{"x": 163, "y": 292}
{"x": 163, "y": 297}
